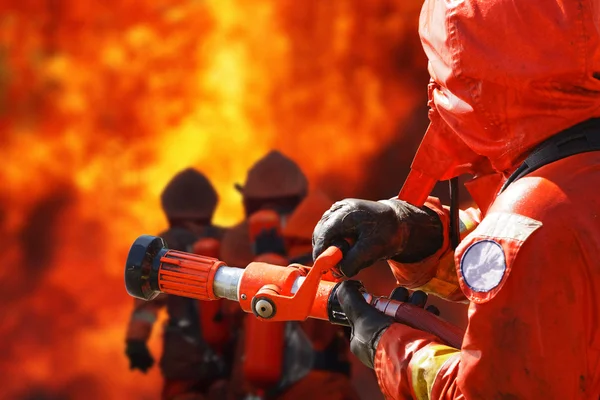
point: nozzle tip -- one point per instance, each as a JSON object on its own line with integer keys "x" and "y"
{"x": 141, "y": 268}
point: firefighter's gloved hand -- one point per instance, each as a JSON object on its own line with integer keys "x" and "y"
{"x": 380, "y": 230}
{"x": 269, "y": 241}
{"x": 367, "y": 324}
{"x": 139, "y": 355}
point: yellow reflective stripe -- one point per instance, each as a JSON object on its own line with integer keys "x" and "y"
{"x": 445, "y": 282}
{"x": 466, "y": 224}
{"x": 439, "y": 287}
{"x": 425, "y": 365}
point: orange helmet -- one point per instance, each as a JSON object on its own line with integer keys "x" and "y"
{"x": 189, "y": 195}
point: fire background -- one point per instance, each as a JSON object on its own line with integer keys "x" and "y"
{"x": 102, "y": 102}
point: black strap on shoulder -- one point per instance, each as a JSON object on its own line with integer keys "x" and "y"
{"x": 454, "y": 217}
{"x": 581, "y": 138}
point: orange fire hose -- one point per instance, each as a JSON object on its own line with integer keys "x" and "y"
{"x": 270, "y": 292}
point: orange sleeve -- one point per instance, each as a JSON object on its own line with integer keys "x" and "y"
{"x": 437, "y": 273}
{"x": 530, "y": 338}
{"x": 143, "y": 317}
{"x": 397, "y": 347}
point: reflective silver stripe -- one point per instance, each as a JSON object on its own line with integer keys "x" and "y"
{"x": 145, "y": 316}
{"x": 508, "y": 226}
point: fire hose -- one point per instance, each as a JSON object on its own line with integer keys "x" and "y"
{"x": 270, "y": 292}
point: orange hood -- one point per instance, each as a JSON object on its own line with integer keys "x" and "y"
{"x": 505, "y": 76}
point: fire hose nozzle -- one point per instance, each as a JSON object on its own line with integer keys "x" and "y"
{"x": 141, "y": 273}
{"x": 271, "y": 292}
{"x": 152, "y": 269}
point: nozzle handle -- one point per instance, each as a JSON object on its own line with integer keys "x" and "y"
{"x": 342, "y": 244}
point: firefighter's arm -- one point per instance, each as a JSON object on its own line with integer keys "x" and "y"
{"x": 436, "y": 273}
{"x": 408, "y": 361}
{"x": 390, "y": 347}
{"x": 142, "y": 320}
{"x": 143, "y": 317}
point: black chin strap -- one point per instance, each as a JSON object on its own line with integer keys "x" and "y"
{"x": 581, "y": 138}
{"x": 454, "y": 219}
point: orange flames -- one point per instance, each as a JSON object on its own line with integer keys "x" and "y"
{"x": 102, "y": 102}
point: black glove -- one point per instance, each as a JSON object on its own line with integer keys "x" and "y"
{"x": 139, "y": 355}
{"x": 366, "y": 322}
{"x": 380, "y": 230}
{"x": 268, "y": 241}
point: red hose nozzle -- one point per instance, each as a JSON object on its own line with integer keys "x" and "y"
{"x": 152, "y": 268}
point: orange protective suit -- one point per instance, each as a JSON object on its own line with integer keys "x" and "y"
{"x": 506, "y": 75}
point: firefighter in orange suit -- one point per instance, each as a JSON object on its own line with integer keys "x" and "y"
{"x": 189, "y": 365}
{"x": 515, "y": 102}
{"x": 278, "y": 360}
{"x": 275, "y": 182}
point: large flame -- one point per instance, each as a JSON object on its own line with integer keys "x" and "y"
{"x": 102, "y": 102}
